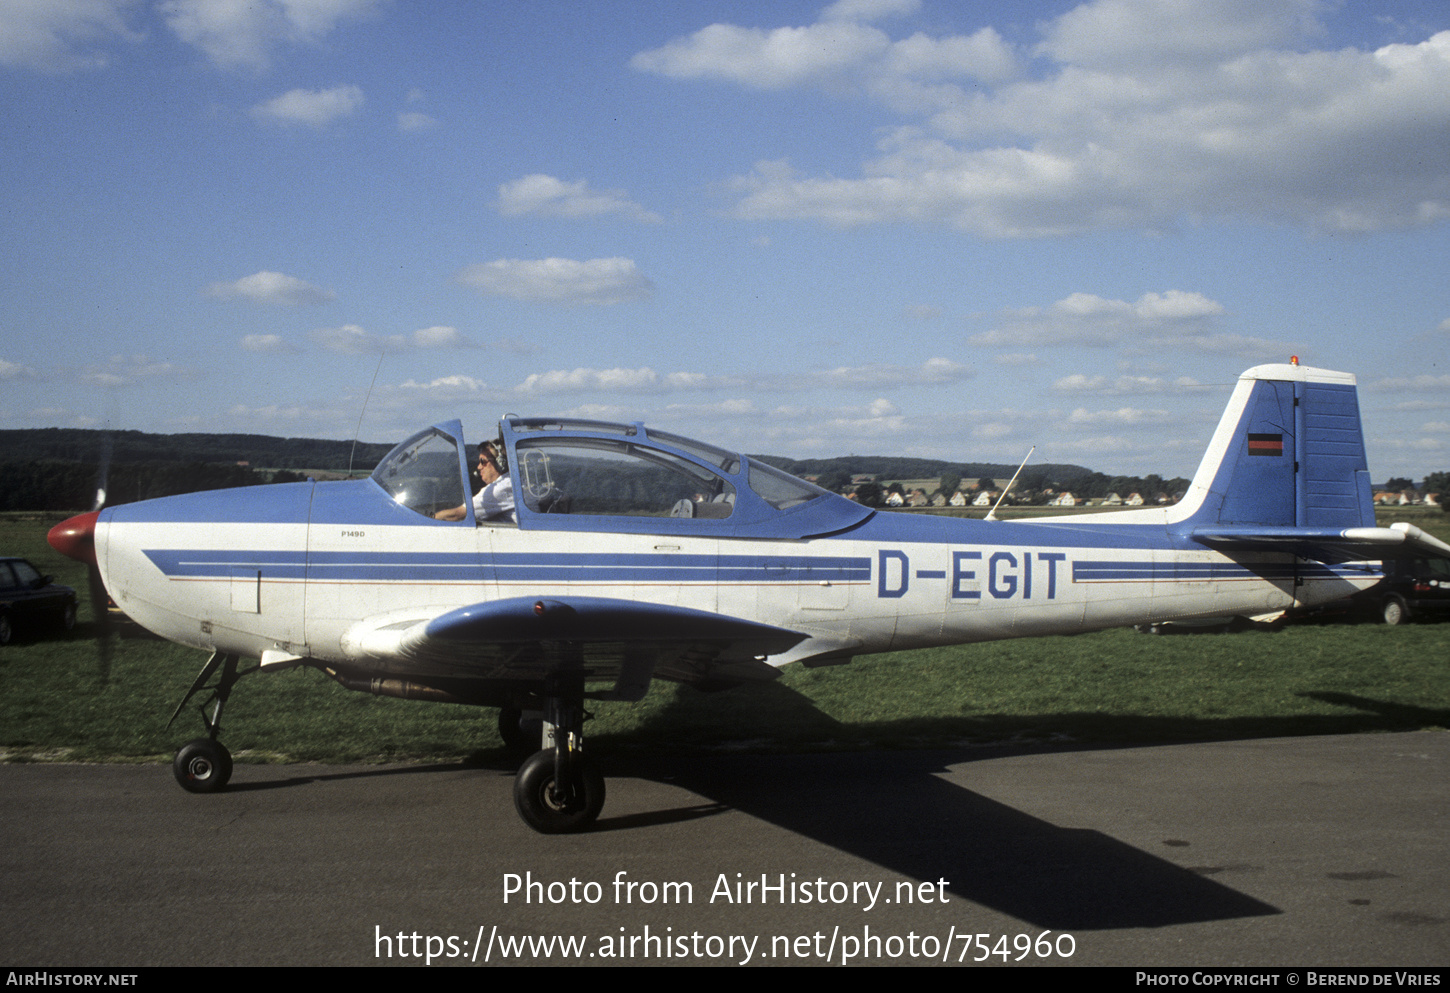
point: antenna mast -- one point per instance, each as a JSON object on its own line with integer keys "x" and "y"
{"x": 992, "y": 514}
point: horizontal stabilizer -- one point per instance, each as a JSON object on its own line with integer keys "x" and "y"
{"x": 1327, "y": 544}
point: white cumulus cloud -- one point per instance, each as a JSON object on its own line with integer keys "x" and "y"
{"x": 841, "y": 51}
{"x": 550, "y": 197}
{"x": 578, "y": 380}
{"x": 350, "y": 339}
{"x": 272, "y": 287}
{"x": 61, "y": 35}
{"x": 1126, "y": 114}
{"x": 440, "y": 337}
{"x": 243, "y": 33}
{"x": 123, "y": 370}
{"x": 568, "y": 281}
{"x": 268, "y": 343}
{"x": 310, "y": 108}
{"x": 931, "y": 372}
{"x": 1090, "y": 320}
{"x": 1125, "y": 385}
{"x": 412, "y": 120}
{"x": 1123, "y": 415}
{"x": 14, "y": 370}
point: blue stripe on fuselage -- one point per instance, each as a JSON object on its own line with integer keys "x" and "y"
{"x": 445, "y": 567}
{"x": 199, "y": 563}
{"x": 1087, "y": 571}
{"x": 892, "y": 529}
{"x": 562, "y": 567}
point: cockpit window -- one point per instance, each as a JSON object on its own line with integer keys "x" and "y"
{"x": 779, "y": 489}
{"x": 718, "y": 457}
{"x": 422, "y": 473}
{"x": 603, "y": 476}
{"x": 572, "y": 424}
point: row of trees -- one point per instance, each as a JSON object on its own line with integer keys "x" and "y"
{"x": 1435, "y": 482}
{"x": 89, "y": 447}
{"x": 51, "y": 485}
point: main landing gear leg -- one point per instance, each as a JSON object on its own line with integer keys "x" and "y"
{"x": 558, "y": 790}
{"x": 203, "y": 765}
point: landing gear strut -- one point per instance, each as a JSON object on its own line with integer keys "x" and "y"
{"x": 558, "y": 789}
{"x": 203, "y": 765}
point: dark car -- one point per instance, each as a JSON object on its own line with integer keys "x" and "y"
{"x": 1413, "y": 589}
{"x": 28, "y": 599}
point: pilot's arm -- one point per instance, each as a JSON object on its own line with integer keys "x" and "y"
{"x": 494, "y": 502}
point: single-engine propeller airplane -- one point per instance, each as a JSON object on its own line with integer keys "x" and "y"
{"x": 640, "y": 555}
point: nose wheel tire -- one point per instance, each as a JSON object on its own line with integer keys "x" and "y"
{"x": 202, "y": 766}
{"x": 550, "y": 810}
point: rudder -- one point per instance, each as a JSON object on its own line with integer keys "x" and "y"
{"x": 1289, "y": 452}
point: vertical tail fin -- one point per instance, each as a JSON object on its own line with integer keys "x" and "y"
{"x": 1288, "y": 453}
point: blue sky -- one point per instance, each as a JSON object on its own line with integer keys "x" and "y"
{"x": 949, "y": 229}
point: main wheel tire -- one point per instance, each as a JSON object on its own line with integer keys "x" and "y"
{"x": 544, "y": 809}
{"x": 202, "y": 766}
{"x": 1395, "y": 611}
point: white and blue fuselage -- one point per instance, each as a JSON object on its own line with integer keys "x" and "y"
{"x": 362, "y": 574}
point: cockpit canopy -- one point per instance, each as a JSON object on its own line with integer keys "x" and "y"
{"x": 424, "y": 473}
{"x": 579, "y": 475}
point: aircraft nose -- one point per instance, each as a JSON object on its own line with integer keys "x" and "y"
{"x": 76, "y": 538}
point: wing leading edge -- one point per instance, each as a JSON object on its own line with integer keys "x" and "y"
{"x": 606, "y": 639}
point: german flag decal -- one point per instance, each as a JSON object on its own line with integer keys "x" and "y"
{"x": 1266, "y": 444}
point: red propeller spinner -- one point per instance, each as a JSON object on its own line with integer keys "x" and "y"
{"x": 76, "y": 538}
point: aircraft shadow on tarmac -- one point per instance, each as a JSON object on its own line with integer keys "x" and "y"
{"x": 894, "y": 809}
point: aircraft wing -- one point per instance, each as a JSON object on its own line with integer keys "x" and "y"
{"x": 525, "y": 637}
{"x": 1327, "y": 544}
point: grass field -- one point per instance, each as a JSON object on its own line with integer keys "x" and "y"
{"x": 64, "y": 698}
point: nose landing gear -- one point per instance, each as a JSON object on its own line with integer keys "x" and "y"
{"x": 203, "y": 765}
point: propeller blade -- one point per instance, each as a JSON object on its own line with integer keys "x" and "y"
{"x": 100, "y": 622}
{"x": 103, "y": 474}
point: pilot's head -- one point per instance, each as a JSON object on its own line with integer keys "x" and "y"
{"x": 490, "y": 466}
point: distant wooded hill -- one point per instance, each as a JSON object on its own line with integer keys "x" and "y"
{"x": 258, "y": 450}
{"x": 58, "y": 468}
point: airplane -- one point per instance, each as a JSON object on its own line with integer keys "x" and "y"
{"x": 637, "y": 555}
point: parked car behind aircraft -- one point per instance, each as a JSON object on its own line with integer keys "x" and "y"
{"x": 28, "y": 598}
{"x": 1413, "y": 589}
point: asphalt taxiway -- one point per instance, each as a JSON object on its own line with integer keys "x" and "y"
{"x": 1322, "y": 851}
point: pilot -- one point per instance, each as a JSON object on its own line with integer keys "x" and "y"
{"x": 495, "y": 500}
